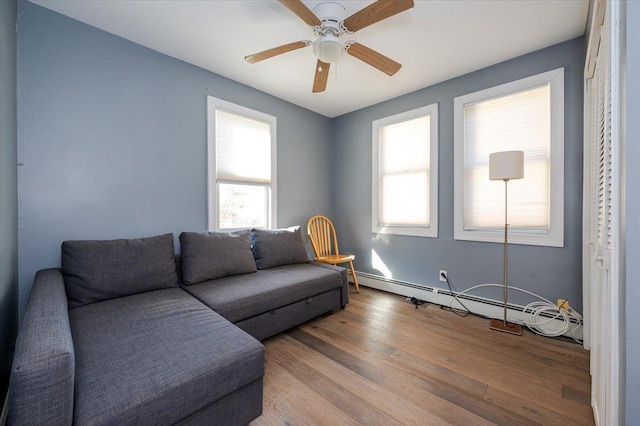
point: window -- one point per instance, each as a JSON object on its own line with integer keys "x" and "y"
{"x": 525, "y": 115}
{"x": 241, "y": 167}
{"x": 405, "y": 173}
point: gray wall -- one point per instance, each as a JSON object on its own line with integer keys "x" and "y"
{"x": 8, "y": 192}
{"x": 112, "y": 138}
{"x": 631, "y": 293}
{"x": 551, "y": 272}
{"x": 112, "y": 141}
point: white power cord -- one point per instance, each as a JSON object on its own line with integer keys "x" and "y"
{"x": 533, "y": 316}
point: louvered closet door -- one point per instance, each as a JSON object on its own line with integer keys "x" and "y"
{"x": 600, "y": 259}
{"x": 604, "y": 207}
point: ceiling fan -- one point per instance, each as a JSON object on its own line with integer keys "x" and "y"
{"x": 328, "y": 23}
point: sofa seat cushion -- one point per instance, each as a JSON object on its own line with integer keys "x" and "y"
{"x": 244, "y": 296}
{"x": 156, "y": 358}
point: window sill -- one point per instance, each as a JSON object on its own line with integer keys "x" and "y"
{"x": 406, "y": 231}
{"x": 531, "y": 239}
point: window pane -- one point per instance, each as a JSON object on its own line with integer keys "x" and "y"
{"x": 519, "y": 121}
{"x": 243, "y": 148}
{"x": 242, "y": 206}
{"x": 405, "y": 146}
{"x": 404, "y": 173}
{"x": 404, "y": 199}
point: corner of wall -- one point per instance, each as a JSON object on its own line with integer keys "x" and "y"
{"x": 8, "y": 191}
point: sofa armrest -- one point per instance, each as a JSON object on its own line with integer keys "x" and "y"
{"x": 43, "y": 371}
{"x": 345, "y": 280}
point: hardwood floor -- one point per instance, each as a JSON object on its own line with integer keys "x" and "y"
{"x": 382, "y": 361}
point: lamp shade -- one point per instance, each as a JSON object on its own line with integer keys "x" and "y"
{"x": 506, "y": 165}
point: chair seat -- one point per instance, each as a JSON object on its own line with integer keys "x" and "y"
{"x": 335, "y": 258}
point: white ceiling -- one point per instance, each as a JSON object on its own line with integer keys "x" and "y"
{"x": 435, "y": 41}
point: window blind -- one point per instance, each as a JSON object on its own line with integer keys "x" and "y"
{"x": 243, "y": 149}
{"x": 404, "y": 173}
{"x": 519, "y": 121}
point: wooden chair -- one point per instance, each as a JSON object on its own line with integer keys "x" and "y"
{"x": 323, "y": 238}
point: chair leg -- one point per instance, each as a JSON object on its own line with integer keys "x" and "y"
{"x": 355, "y": 279}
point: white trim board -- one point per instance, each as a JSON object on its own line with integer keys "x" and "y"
{"x": 5, "y": 410}
{"x": 430, "y": 230}
{"x": 554, "y": 235}
{"x": 483, "y": 306}
{"x": 214, "y": 104}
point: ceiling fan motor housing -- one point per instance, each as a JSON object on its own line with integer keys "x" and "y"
{"x": 331, "y": 14}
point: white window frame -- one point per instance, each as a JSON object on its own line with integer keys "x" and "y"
{"x": 430, "y": 231}
{"x": 555, "y": 235}
{"x": 214, "y": 104}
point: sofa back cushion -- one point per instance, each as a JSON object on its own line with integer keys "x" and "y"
{"x": 101, "y": 270}
{"x": 278, "y": 247}
{"x": 210, "y": 255}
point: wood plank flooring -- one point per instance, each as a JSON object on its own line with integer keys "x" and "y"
{"x": 382, "y": 361}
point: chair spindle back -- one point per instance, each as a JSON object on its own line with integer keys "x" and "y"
{"x": 322, "y": 234}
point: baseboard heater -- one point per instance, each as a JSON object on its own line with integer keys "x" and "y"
{"x": 486, "y": 307}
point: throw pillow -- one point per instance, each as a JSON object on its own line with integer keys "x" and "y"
{"x": 278, "y": 247}
{"x": 101, "y": 270}
{"x": 210, "y": 255}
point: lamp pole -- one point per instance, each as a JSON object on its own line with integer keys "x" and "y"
{"x": 505, "y": 166}
{"x": 506, "y": 248}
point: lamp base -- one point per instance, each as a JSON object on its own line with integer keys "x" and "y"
{"x": 511, "y": 328}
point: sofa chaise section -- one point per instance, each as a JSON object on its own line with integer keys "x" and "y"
{"x": 160, "y": 356}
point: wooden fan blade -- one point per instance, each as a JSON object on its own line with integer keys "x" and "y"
{"x": 266, "y": 54}
{"x": 373, "y": 58}
{"x": 303, "y": 12}
{"x": 375, "y": 12}
{"x": 322, "y": 75}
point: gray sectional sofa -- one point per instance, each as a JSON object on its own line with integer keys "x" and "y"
{"x": 119, "y": 335}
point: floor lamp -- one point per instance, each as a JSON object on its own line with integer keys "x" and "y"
{"x": 506, "y": 165}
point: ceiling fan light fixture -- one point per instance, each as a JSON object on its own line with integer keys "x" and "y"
{"x": 328, "y": 48}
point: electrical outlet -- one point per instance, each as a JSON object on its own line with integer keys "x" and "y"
{"x": 563, "y": 304}
{"x": 446, "y": 275}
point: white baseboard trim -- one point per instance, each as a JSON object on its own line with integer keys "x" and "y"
{"x": 486, "y": 307}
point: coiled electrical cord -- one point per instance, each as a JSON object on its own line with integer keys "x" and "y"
{"x": 536, "y": 314}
